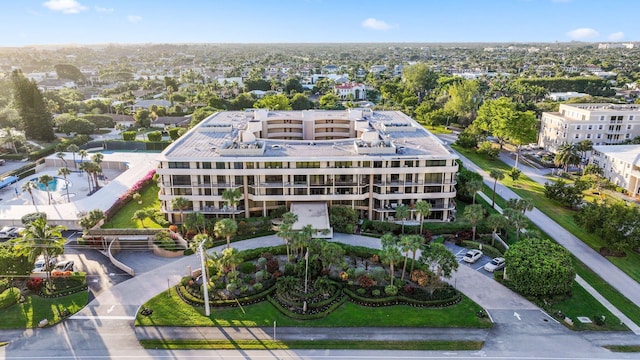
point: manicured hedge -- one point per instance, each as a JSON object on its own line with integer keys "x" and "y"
{"x": 9, "y": 297}
{"x": 316, "y": 316}
{"x": 399, "y": 299}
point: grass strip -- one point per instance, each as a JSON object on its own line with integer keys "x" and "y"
{"x": 623, "y": 348}
{"x": 35, "y": 308}
{"x": 201, "y": 344}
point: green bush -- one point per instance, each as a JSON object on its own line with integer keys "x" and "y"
{"x": 174, "y": 133}
{"x": 361, "y": 291}
{"x": 100, "y": 120}
{"x": 391, "y": 290}
{"x": 129, "y": 135}
{"x": 257, "y": 287}
{"x": 154, "y": 136}
{"x": 375, "y": 292}
{"x": 188, "y": 252}
{"x": 9, "y": 297}
{"x": 247, "y": 267}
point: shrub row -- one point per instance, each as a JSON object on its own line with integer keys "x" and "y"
{"x": 255, "y": 253}
{"x": 317, "y": 304}
{"x": 315, "y": 316}
{"x": 63, "y": 292}
{"x": 399, "y": 299}
{"x": 35, "y": 155}
{"x": 187, "y": 297}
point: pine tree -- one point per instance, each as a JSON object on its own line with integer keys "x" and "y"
{"x": 36, "y": 120}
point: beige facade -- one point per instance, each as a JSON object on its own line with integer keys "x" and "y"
{"x": 370, "y": 161}
{"x": 603, "y": 124}
{"x": 620, "y": 165}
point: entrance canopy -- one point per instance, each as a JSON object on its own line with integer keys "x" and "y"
{"x": 311, "y": 213}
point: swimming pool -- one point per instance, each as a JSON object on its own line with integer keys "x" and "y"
{"x": 54, "y": 185}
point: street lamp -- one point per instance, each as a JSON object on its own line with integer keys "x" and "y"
{"x": 207, "y": 310}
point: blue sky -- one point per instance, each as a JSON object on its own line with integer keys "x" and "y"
{"x": 34, "y": 22}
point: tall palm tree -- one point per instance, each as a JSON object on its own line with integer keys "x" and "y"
{"x": 181, "y": 204}
{"x": 226, "y": 228}
{"x": 495, "y": 175}
{"x": 232, "y": 197}
{"x": 496, "y": 221}
{"x": 409, "y": 243}
{"x": 423, "y": 209}
{"x": 402, "y": 212}
{"x": 40, "y": 238}
{"x": 285, "y": 231}
{"x": 45, "y": 180}
{"x": 64, "y": 172}
{"x": 517, "y": 220}
{"x": 567, "y": 155}
{"x": 86, "y": 167}
{"x": 60, "y": 155}
{"x": 97, "y": 159}
{"x": 583, "y": 147}
{"x": 83, "y": 154}
{"x": 73, "y": 149}
{"x": 473, "y": 214}
{"x": 473, "y": 186}
{"x": 388, "y": 240}
{"x": 11, "y": 138}
{"x": 28, "y": 187}
{"x": 391, "y": 256}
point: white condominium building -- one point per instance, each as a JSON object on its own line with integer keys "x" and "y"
{"x": 603, "y": 124}
{"x": 620, "y": 164}
{"x": 371, "y": 161}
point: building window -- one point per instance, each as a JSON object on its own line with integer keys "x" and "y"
{"x": 627, "y": 136}
{"x": 178, "y": 165}
{"x": 600, "y": 127}
{"x": 578, "y": 127}
{"x": 237, "y": 165}
{"x": 602, "y": 118}
{"x": 630, "y": 117}
{"x": 629, "y": 127}
{"x": 598, "y": 136}
{"x": 588, "y": 136}
{"x": 590, "y": 127}
{"x": 206, "y": 165}
{"x": 220, "y": 165}
{"x": 577, "y": 136}
{"x": 306, "y": 164}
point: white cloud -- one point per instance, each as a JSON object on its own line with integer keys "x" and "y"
{"x": 65, "y": 6}
{"x": 103, "y": 9}
{"x": 616, "y": 36}
{"x": 582, "y": 33}
{"x": 375, "y": 24}
{"x": 134, "y": 18}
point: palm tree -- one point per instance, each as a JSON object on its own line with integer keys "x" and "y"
{"x": 423, "y": 209}
{"x": 86, "y": 167}
{"x": 567, "y": 155}
{"x": 495, "y": 175}
{"x": 39, "y": 238}
{"x": 409, "y": 243}
{"x": 473, "y": 214}
{"x": 140, "y": 215}
{"x": 73, "y": 149}
{"x": 388, "y": 239}
{"x": 83, "y": 154}
{"x": 180, "y": 203}
{"x": 232, "y": 197}
{"x": 473, "y": 186}
{"x": 28, "y": 187}
{"x": 226, "y": 228}
{"x": 60, "y": 155}
{"x": 91, "y": 219}
{"x": 11, "y": 138}
{"x": 517, "y": 220}
{"x": 391, "y": 255}
{"x": 285, "y": 231}
{"x": 45, "y": 180}
{"x": 64, "y": 172}
{"x": 583, "y": 147}
{"x": 402, "y": 212}
{"x": 97, "y": 159}
{"x": 496, "y": 221}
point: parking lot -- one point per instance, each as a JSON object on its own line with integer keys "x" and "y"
{"x": 459, "y": 252}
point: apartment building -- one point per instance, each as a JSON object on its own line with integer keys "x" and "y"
{"x": 603, "y": 124}
{"x": 371, "y": 161}
{"x": 620, "y": 165}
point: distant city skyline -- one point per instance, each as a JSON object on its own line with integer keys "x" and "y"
{"x": 45, "y": 22}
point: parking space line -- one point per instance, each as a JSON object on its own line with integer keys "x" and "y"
{"x": 481, "y": 266}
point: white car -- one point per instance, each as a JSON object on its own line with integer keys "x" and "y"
{"x": 7, "y": 232}
{"x": 472, "y": 256}
{"x": 495, "y": 264}
{"x": 39, "y": 265}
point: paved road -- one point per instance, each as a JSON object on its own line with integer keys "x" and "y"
{"x": 104, "y": 329}
{"x": 609, "y": 272}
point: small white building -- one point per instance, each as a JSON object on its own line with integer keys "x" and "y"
{"x": 351, "y": 91}
{"x": 620, "y": 164}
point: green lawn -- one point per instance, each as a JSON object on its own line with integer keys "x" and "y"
{"x": 436, "y": 345}
{"x": 623, "y": 348}
{"x": 36, "y": 308}
{"x": 123, "y": 218}
{"x": 440, "y": 129}
{"x": 527, "y": 188}
{"x": 172, "y": 311}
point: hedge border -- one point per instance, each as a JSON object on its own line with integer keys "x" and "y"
{"x": 400, "y": 300}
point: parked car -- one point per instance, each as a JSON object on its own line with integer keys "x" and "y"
{"x": 39, "y": 264}
{"x": 495, "y": 264}
{"x": 7, "y": 232}
{"x": 66, "y": 265}
{"x": 472, "y": 256}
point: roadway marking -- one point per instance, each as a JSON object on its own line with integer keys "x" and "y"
{"x": 109, "y": 310}
{"x": 517, "y": 316}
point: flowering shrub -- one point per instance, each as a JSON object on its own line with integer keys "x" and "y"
{"x": 35, "y": 284}
{"x": 128, "y": 196}
{"x": 365, "y": 281}
{"x": 419, "y": 277}
{"x": 173, "y": 228}
{"x": 344, "y": 276}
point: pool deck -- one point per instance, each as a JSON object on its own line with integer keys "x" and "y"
{"x": 60, "y": 212}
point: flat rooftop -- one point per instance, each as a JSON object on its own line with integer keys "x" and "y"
{"x": 205, "y": 141}
{"x": 627, "y": 153}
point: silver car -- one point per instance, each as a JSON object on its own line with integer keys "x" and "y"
{"x": 495, "y": 264}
